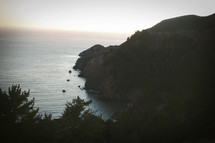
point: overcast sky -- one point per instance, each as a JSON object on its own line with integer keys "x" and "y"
{"x": 123, "y": 16}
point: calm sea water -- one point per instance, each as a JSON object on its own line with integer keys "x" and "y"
{"x": 41, "y": 64}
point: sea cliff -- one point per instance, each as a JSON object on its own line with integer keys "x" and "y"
{"x": 92, "y": 66}
{"x": 170, "y": 58}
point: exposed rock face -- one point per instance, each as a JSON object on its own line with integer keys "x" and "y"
{"x": 87, "y": 55}
{"x": 91, "y": 64}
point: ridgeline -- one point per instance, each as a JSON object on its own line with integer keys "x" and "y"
{"x": 174, "y": 56}
{"x": 167, "y": 71}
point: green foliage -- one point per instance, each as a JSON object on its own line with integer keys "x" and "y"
{"x": 21, "y": 123}
{"x": 163, "y": 62}
{"x": 75, "y": 110}
{"x": 79, "y": 124}
{"x": 153, "y": 119}
{"x": 16, "y": 108}
{"x": 176, "y": 118}
{"x": 171, "y": 70}
{"x": 18, "y": 117}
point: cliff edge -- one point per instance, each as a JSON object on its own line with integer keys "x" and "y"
{"x": 175, "y": 56}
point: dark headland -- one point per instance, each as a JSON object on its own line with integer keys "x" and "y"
{"x": 174, "y": 56}
{"x": 167, "y": 74}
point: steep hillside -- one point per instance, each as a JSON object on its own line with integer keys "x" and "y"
{"x": 175, "y": 56}
{"x": 168, "y": 73}
{"x": 91, "y": 64}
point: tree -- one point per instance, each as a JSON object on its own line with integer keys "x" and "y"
{"x": 75, "y": 110}
{"x": 79, "y": 124}
{"x": 15, "y": 106}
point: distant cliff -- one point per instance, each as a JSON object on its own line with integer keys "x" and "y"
{"x": 92, "y": 66}
{"x": 174, "y": 56}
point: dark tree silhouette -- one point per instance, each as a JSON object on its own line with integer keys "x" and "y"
{"x": 15, "y": 106}
{"x": 18, "y": 117}
{"x": 75, "y": 109}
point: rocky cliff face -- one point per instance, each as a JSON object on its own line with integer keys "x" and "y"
{"x": 175, "y": 56}
{"x": 87, "y": 55}
{"x": 91, "y": 64}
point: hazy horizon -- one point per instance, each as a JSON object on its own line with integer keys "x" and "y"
{"x": 4, "y": 32}
{"x": 100, "y": 16}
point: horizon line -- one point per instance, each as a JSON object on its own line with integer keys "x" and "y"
{"x": 65, "y": 31}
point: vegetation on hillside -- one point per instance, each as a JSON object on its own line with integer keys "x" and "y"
{"x": 168, "y": 74}
{"x": 19, "y": 121}
{"x": 166, "y": 63}
{"x": 178, "y": 119}
{"x": 174, "y": 56}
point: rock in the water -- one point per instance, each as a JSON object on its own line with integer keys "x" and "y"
{"x": 80, "y": 87}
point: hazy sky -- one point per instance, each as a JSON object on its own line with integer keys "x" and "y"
{"x": 124, "y": 16}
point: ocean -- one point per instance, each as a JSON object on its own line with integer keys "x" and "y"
{"x": 41, "y": 65}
